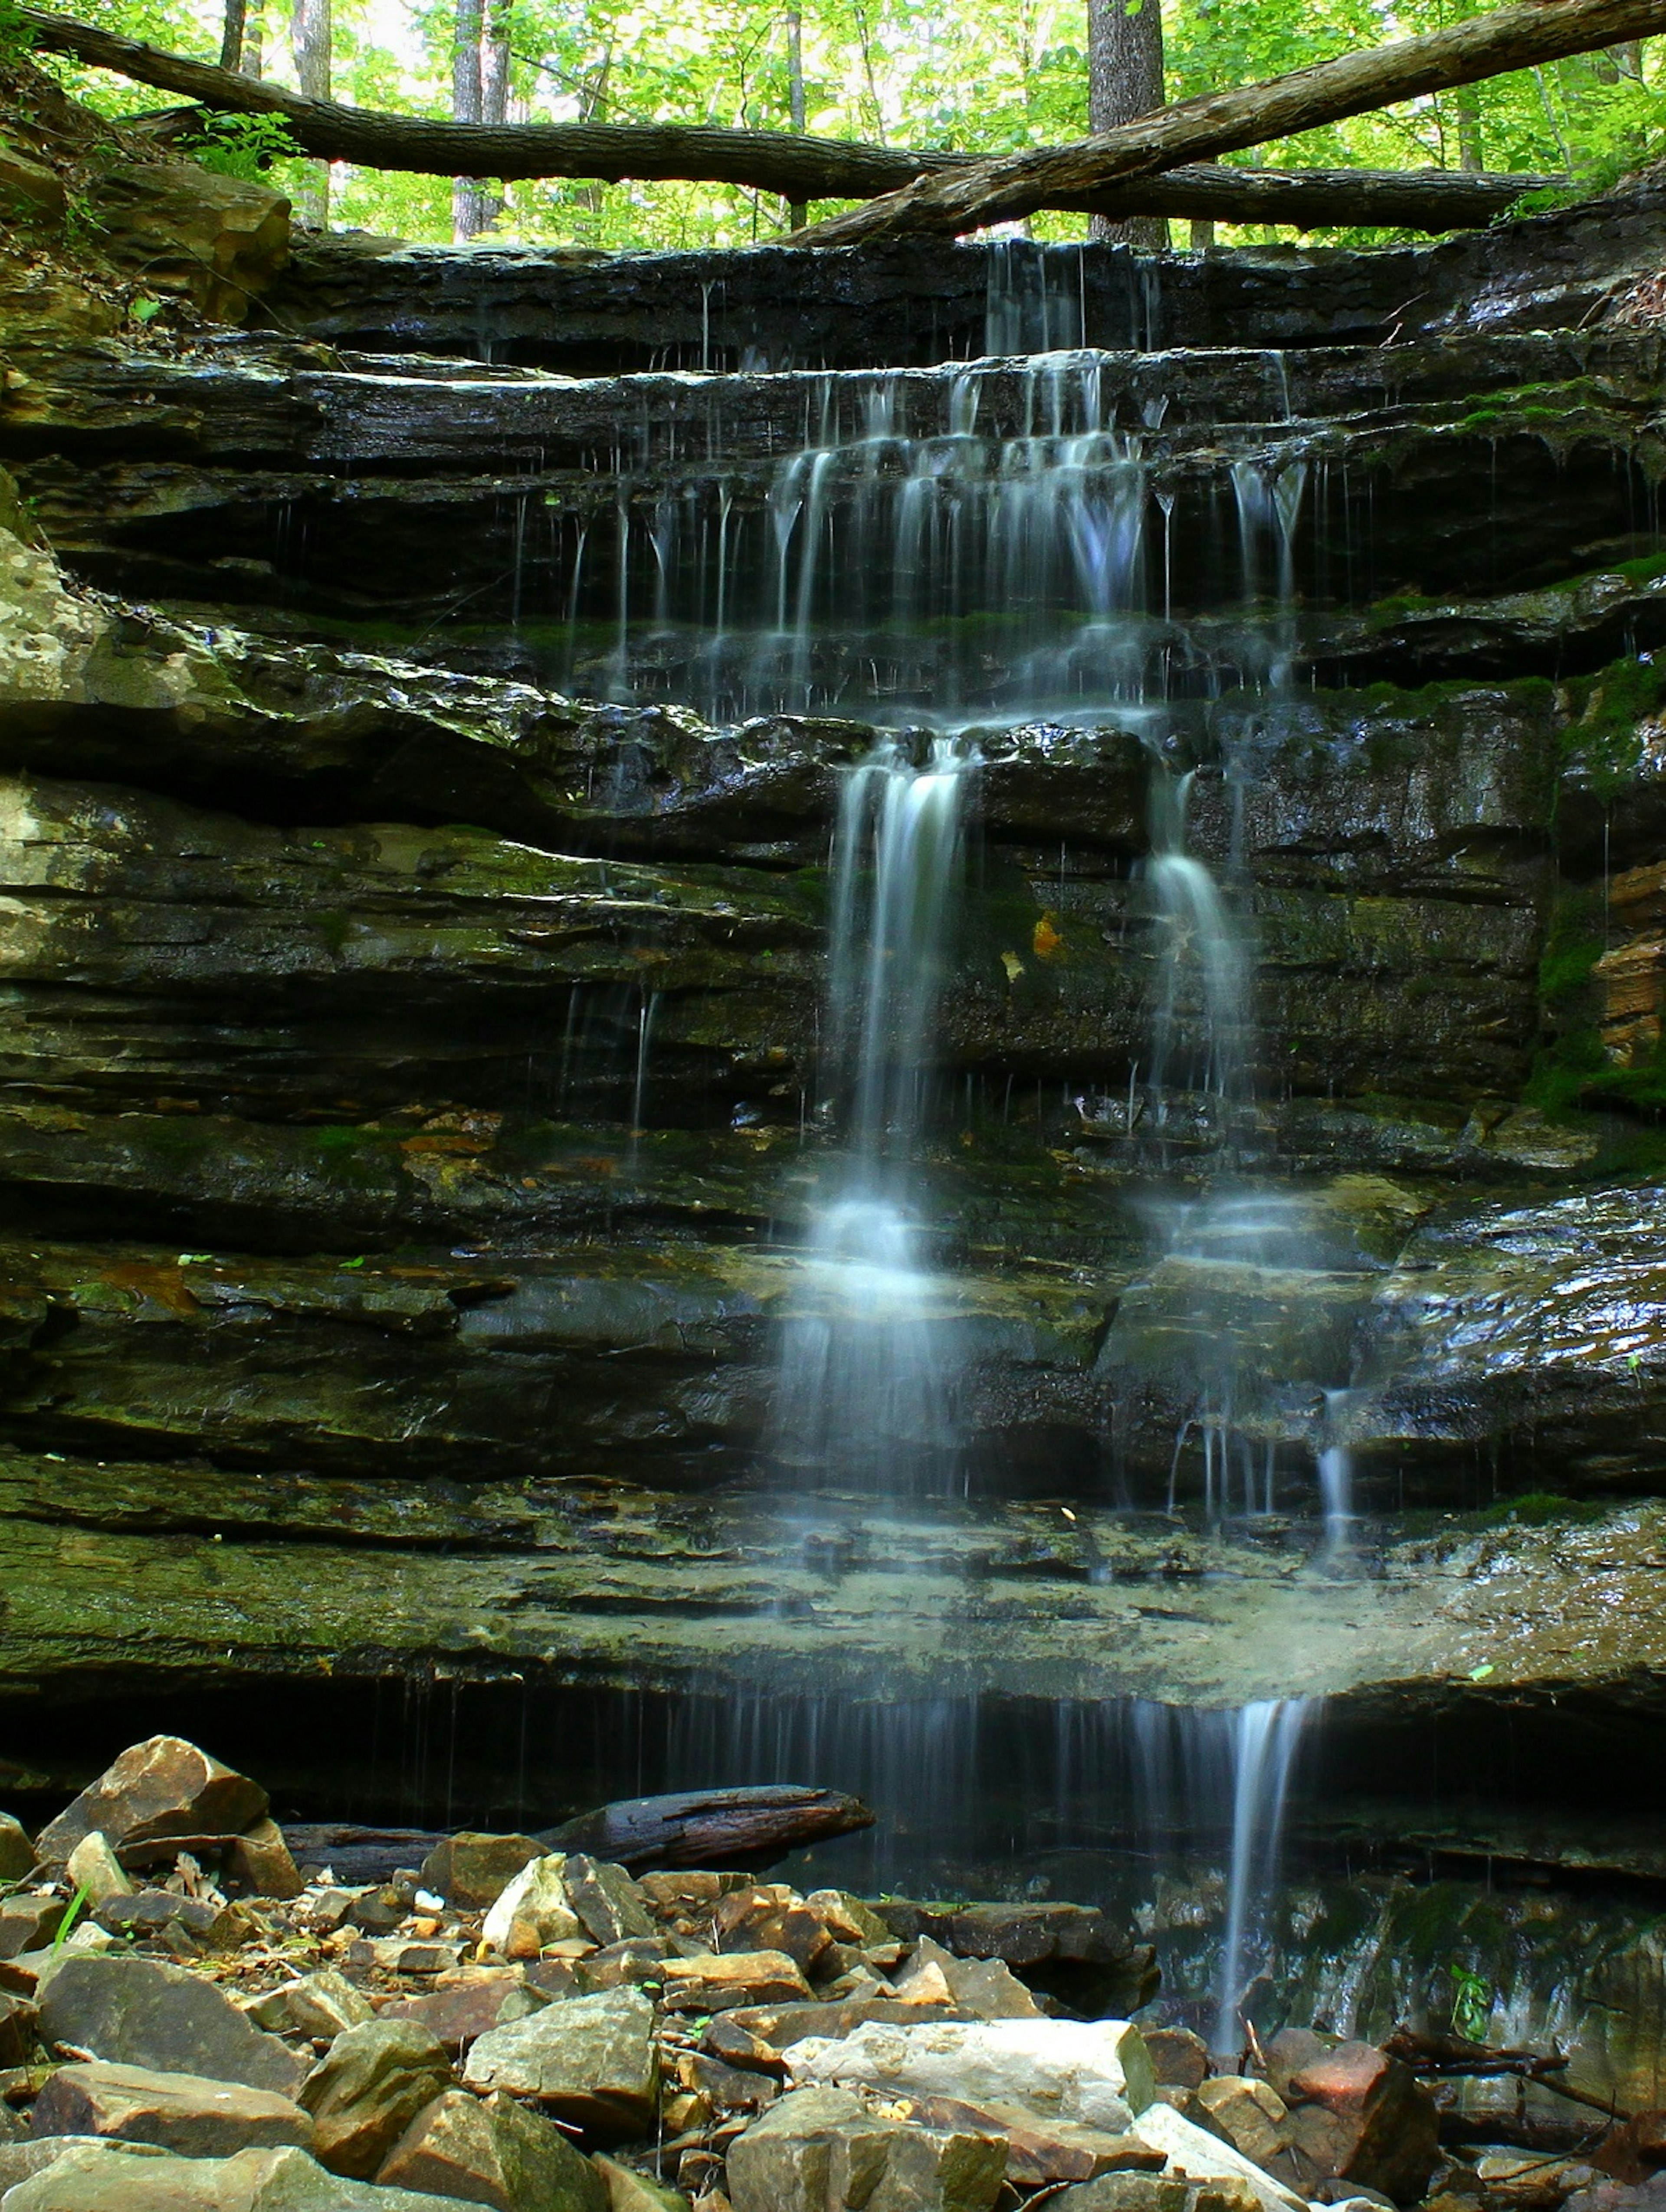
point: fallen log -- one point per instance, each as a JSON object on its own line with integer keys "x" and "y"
{"x": 1452, "y": 2057}
{"x": 1015, "y": 184}
{"x": 710, "y": 1827}
{"x": 355, "y": 1854}
{"x": 799, "y": 169}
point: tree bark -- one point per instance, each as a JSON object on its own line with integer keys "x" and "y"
{"x": 310, "y": 32}
{"x": 711, "y": 1828}
{"x": 465, "y": 211}
{"x": 231, "y": 37}
{"x": 253, "y": 58}
{"x": 495, "y": 91}
{"x": 801, "y": 169}
{"x": 798, "y": 211}
{"x": 1015, "y": 184}
{"x": 1125, "y": 82}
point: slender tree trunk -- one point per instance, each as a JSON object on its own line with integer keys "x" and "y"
{"x": 231, "y": 37}
{"x": 310, "y": 35}
{"x": 1125, "y": 81}
{"x": 1203, "y": 232}
{"x": 252, "y": 56}
{"x": 798, "y": 211}
{"x": 1469, "y": 133}
{"x": 465, "y": 210}
{"x": 493, "y": 92}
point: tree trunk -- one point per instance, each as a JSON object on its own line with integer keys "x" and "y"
{"x": 466, "y": 220}
{"x": 495, "y": 92}
{"x": 803, "y": 169}
{"x": 1015, "y": 184}
{"x": 1469, "y": 140}
{"x": 798, "y": 211}
{"x": 231, "y": 37}
{"x": 310, "y": 35}
{"x": 254, "y": 53}
{"x": 1124, "y": 82}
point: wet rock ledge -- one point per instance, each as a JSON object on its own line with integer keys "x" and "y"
{"x": 411, "y": 1113}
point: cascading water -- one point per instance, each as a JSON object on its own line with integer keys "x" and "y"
{"x": 865, "y": 1392}
{"x": 966, "y": 574}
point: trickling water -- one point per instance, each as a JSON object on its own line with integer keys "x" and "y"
{"x": 996, "y": 558}
{"x": 865, "y": 1390}
{"x": 1264, "y": 1740}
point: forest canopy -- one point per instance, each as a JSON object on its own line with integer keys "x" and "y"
{"x": 981, "y": 79}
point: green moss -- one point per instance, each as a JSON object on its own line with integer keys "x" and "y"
{"x": 1539, "y": 1508}
{"x": 1602, "y": 741}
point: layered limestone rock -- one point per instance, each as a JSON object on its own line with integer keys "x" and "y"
{"x": 413, "y": 1116}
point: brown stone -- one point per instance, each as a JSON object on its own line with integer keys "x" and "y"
{"x": 780, "y": 2025}
{"x": 141, "y": 2012}
{"x": 216, "y": 241}
{"x": 1179, "y": 2058}
{"x": 609, "y": 1906}
{"x": 38, "y": 190}
{"x": 1129, "y": 2192}
{"x": 982, "y": 1988}
{"x": 466, "y": 2005}
{"x": 472, "y": 1869}
{"x": 95, "y": 1869}
{"x": 17, "y": 2020}
{"x": 1358, "y": 2115}
{"x": 1251, "y": 2115}
{"x": 368, "y": 2088}
{"x": 677, "y": 1893}
{"x": 494, "y": 2153}
{"x": 29, "y": 1923}
{"x": 185, "y": 1924}
{"x": 771, "y": 1917}
{"x": 17, "y": 1854}
{"x": 162, "y": 1788}
{"x": 716, "y": 1981}
{"x": 628, "y": 2191}
{"x": 183, "y": 2113}
{"x": 1038, "y": 2149}
{"x": 258, "y": 1864}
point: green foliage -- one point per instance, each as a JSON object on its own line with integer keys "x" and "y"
{"x": 998, "y": 75}
{"x": 65, "y": 1927}
{"x": 1472, "y": 2003}
{"x": 242, "y": 145}
{"x": 16, "y": 39}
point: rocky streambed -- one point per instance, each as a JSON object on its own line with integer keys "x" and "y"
{"x": 198, "y": 2012}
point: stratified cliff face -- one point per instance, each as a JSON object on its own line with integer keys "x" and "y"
{"x": 411, "y": 1108}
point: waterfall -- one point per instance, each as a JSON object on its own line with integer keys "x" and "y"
{"x": 1264, "y": 1740}
{"x": 866, "y": 1388}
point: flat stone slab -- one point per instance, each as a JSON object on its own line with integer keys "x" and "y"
{"x": 140, "y": 2012}
{"x": 182, "y": 2113}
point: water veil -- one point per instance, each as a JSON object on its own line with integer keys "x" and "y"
{"x": 865, "y": 1393}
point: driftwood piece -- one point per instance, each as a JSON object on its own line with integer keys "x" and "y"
{"x": 1449, "y": 2057}
{"x": 1015, "y": 184}
{"x": 710, "y": 1827}
{"x": 798, "y": 167}
{"x": 355, "y": 1854}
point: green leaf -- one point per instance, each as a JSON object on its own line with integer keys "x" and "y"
{"x": 145, "y": 311}
{"x": 1480, "y": 1674}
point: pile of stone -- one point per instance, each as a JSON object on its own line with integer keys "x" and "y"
{"x": 189, "y": 2021}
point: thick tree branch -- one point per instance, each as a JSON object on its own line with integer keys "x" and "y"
{"x": 799, "y": 168}
{"x": 1016, "y": 184}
